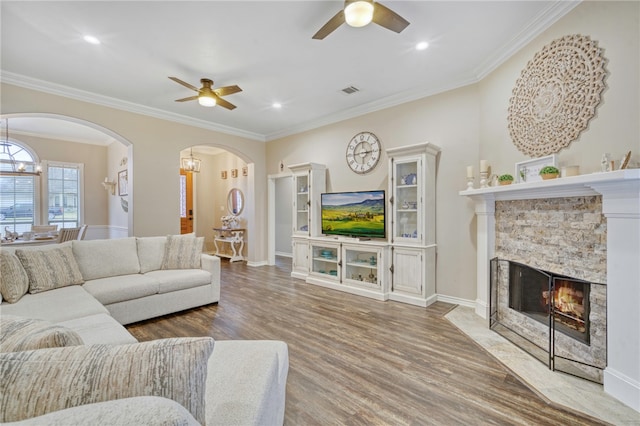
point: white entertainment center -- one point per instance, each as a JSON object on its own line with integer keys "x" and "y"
{"x": 400, "y": 267}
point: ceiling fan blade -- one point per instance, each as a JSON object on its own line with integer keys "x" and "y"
{"x": 330, "y": 26}
{"x": 177, "y": 80}
{"x": 190, "y": 98}
{"x": 227, "y": 90}
{"x": 224, "y": 104}
{"x": 387, "y": 18}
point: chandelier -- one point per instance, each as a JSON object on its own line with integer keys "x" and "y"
{"x": 191, "y": 163}
{"x": 10, "y": 162}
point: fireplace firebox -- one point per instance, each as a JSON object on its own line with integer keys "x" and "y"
{"x": 560, "y": 301}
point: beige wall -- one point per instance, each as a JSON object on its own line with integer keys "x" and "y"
{"x": 616, "y": 126}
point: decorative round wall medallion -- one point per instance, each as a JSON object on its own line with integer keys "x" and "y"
{"x": 556, "y": 95}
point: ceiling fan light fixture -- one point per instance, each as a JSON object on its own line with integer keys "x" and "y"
{"x": 358, "y": 13}
{"x": 207, "y": 100}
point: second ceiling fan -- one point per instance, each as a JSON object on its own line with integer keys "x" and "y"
{"x": 358, "y": 13}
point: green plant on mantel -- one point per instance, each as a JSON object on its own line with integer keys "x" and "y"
{"x": 505, "y": 178}
{"x": 549, "y": 170}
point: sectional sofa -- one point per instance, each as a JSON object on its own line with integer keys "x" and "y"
{"x": 69, "y": 317}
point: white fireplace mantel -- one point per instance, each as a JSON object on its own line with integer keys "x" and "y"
{"x": 620, "y": 192}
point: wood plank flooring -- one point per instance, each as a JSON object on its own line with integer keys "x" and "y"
{"x": 357, "y": 361}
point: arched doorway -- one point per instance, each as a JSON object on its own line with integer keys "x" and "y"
{"x": 63, "y": 139}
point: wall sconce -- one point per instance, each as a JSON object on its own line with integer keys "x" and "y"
{"x": 109, "y": 186}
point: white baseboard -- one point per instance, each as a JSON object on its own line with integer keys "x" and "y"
{"x": 456, "y": 301}
{"x": 622, "y": 387}
{"x": 284, "y": 254}
{"x": 256, "y": 264}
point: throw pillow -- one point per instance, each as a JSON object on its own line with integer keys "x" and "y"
{"x": 182, "y": 252}
{"x": 139, "y": 410}
{"x": 49, "y": 269}
{"x": 14, "y": 282}
{"x": 24, "y": 334}
{"x": 150, "y": 253}
{"x": 39, "y": 382}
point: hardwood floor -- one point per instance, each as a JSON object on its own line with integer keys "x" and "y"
{"x": 357, "y": 361}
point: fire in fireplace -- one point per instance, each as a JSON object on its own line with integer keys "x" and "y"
{"x": 562, "y": 302}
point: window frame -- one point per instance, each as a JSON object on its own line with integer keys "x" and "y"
{"x": 44, "y": 206}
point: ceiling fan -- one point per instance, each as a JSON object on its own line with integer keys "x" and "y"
{"x": 358, "y": 13}
{"x": 207, "y": 96}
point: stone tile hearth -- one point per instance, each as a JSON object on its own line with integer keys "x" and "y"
{"x": 569, "y": 391}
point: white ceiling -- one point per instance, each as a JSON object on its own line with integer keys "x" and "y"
{"x": 265, "y": 47}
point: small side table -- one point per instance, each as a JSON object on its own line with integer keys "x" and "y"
{"x": 235, "y": 238}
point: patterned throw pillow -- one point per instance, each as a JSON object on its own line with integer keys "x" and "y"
{"x": 39, "y": 382}
{"x": 14, "y": 282}
{"x": 25, "y": 334}
{"x": 49, "y": 269}
{"x": 182, "y": 252}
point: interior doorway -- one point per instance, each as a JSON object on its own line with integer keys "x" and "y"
{"x": 186, "y": 202}
{"x": 280, "y": 224}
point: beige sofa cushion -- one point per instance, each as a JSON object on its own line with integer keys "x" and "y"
{"x": 121, "y": 288}
{"x": 182, "y": 252}
{"x": 179, "y": 279}
{"x": 99, "y": 329}
{"x": 106, "y": 258}
{"x": 49, "y": 269}
{"x": 150, "y": 252}
{"x": 24, "y": 334}
{"x": 170, "y": 368}
{"x": 14, "y": 282}
{"x": 58, "y": 305}
{"x": 139, "y": 411}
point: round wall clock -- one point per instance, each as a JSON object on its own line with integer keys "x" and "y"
{"x": 363, "y": 152}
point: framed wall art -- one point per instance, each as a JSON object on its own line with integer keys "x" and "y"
{"x": 123, "y": 182}
{"x": 528, "y": 171}
{"x": 223, "y": 174}
{"x": 234, "y": 173}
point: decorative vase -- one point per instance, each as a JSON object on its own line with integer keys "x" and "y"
{"x": 546, "y": 176}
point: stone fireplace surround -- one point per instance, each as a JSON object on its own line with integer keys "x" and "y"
{"x": 620, "y": 191}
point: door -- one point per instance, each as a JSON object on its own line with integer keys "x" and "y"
{"x": 186, "y": 202}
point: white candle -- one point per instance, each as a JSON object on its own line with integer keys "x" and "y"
{"x": 469, "y": 171}
{"x": 484, "y": 166}
{"x": 106, "y": 179}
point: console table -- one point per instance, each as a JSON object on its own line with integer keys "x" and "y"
{"x": 235, "y": 238}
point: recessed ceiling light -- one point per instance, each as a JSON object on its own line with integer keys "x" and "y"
{"x": 91, "y": 39}
{"x": 422, "y": 45}
{"x": 277, "y": 105}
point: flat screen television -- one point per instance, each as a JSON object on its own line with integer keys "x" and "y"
{"x": 353, "y": 214}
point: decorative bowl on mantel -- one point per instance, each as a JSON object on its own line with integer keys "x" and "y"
{"x": 549, "y": 172}
{"x": 546, "y": 176}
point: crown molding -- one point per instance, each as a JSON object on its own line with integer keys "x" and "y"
{"x": 537, "y": 26}
{"x": 378, "y": 105}
{"x": 81, "y": 95}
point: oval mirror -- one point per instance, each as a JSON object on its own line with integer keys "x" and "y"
{"x": 235, "y": 201}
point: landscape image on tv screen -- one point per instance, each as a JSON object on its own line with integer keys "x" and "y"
{"x": 356, "y": 214}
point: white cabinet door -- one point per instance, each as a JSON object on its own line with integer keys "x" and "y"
{"x": 300, "y": 262}
{"x": 408, "y": 266}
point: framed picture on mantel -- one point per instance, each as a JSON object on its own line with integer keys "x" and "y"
{"x": 528, "y": 171}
